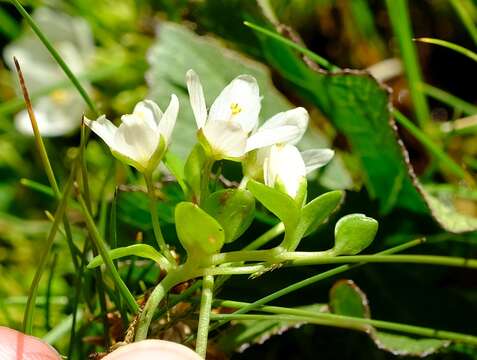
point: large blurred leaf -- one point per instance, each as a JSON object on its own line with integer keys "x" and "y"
{"x": 177, "y": 50}
{"x": 346, "y": 298}
{"x": 359, "y": 107}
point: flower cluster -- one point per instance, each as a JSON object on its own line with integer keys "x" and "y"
{"x": 228, "y": 130}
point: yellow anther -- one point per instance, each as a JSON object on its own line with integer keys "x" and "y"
{"x": 59, "y": 96}
{"x": 235, "y": 108}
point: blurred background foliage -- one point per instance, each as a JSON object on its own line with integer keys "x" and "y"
{"x": 143, "y": 48}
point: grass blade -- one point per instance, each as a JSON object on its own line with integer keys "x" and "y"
{"x": 451, "y": 46}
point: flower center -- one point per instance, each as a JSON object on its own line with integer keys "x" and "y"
{"x": 59, "y": 96}
{"x": 235, "y": 108}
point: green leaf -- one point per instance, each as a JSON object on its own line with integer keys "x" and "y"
{"x": 178, "y": 49}
{"x": 234, "y": 209}
{"x": 319, "y": 209}
{"x": 279, "y": 203}
{"x": 199, "y": 233}
{"x": 353, "y": 234}
{"x": 359, "y": 107}
{"x": 346, "y": 298}
{"x": 140, "y": 250}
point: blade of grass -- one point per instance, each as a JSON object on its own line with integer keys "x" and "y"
{"x": 43, "y": 189}
{"x": 48, "y": 292}
{"x": 347, "y": 321}
{"x": 30, "y": 307}
{"x": 45, "y": 160}
{"x": 449, "y": 99}
{"x": 398, "y": 13}
{"x": 103, "y": 251}
{"x": 56, "y": 56}
{"x": 451, "y": 46}
{"x": 464, "y": 14}
{"x": 435, "y": 150}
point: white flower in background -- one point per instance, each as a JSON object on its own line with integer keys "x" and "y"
{"x": 143, "y": 136}
{"x": 228, "y": 126}
{"x": 281, "y": 165}
{"x": 59, "y": 112}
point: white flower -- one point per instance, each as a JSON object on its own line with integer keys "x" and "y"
{"x": 228, "y": 126}
{"x": 142, "y": 137}
{"x": 60, "y": 112}
{"x": 281, "y": 165}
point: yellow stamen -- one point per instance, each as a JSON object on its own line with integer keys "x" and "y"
{"x": 235, "y": 108}
{"x": 59, "y": 96}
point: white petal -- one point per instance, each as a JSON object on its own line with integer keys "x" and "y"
{"x": 316, "y": 158}
{"x": 166, "y": 125}
{"x": 227, "y": 139}
{"x": 297, "y": 118}
{"x": 149, "y": 112}
{"x": 137, "y": 141}
{"x": 239, "y": 101}
{"x": 286, "y": 165}
{"x": 267, "y": 137}
{"x": 104, "y": 128}
{"x": 196, "y": 97}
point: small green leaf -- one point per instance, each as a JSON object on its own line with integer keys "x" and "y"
{"x": 353, "y": 234}
{"x": 279, "y": 203}
{"x": 193, "y": 170}
{"x": 233, "y": 208}
{"x": 346, "y": 298}
{"x": 199, "y": 233}
{"x": 319, "y": 209}
{"x": 141, "y": 250}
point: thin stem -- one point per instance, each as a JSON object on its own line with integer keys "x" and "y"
{"x": 354, "y": 322}
{"x": 204, "y": 315}
{"x": 270, "y": 255}
{"x": 430, "y": 145}
{"x": 30, "y": 307}
{"x": 317, "y": 58}
{"x": 155, "y": 299}
{"x": 451, "y": 46}
{"x": 56, "y": 56}
{"x": 103, "y": 251}
{"x": 465, "y": 17}
{"x": 401, "y": 24}
{"x": 449, "y": 99}
{"x": 179, "y": 298}
{"x": 266, "y": 237}
{"x": 156, "y": 226}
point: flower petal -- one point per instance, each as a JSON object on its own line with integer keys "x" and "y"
{"x": 267, "y": 137}
{"x": 136, "y": 140}
{"x": 148, "y": 111}
{"x": 168, "y": 121}
{"x": 227, "y": 139}
{"x": 297, "y": 117}
{"x": 316, "y": 158}
{"x": 239, "y": 101}
{"x": 196, "y": 97}
{"x": 285, "y": 165}
{"x": 104, "y": 128}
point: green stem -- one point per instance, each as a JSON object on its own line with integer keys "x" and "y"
{"x": 451, "y": 46}
{"x": 266, "y": 237}
{"x": 103, "y": 251}
{"x": 30, "y": 307}
{"x": 430, "y": 145}
{"x": 303, "y": 258}
{"x": 449, "y": 99}
{"x": 204, "y": 315}
{"x": 56, "y": 56}
{"x": 160, "y": 291}
{"x": 401, "y": 24}
{"x": 349, "y": 321}
{"x": 270, "y": 256}
{"x": 156, "y": 226}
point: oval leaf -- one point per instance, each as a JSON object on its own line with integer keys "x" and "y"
{"x": 233, "y": 209}
{"x": 199, "y": 233}
{"x": 319, "y": 209}
{"x": 353, "y": 234}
